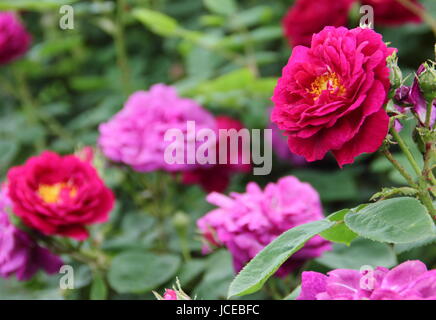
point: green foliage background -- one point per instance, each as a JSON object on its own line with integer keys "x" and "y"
{"x": 227, "y": 55}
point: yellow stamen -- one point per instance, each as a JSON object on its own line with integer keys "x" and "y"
{"x": 51, "y": 193}
{"x": 330, "y": 82}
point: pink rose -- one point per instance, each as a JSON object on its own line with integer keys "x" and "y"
{"x": 14, "y": 39}
{"x": 247, "y": 222}
{"x": 408, "y": 281}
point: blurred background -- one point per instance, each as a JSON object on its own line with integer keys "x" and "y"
{"x": 226, "y": 55}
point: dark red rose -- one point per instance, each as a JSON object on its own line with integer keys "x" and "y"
{"x": 217, "y": 177}
{"x": 391, "y": 12}
{"x": 59, "y": 195}
{"x": 307, "y": 17}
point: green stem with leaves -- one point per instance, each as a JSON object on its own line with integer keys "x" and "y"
{"x": 423, "y": 188}
{"x": 399, "y": 167}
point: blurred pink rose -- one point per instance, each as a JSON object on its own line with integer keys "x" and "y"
{"x": 245, "y": 223}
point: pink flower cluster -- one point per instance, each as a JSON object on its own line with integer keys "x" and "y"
{"x": 408, "y": 281}
{"x": 246, "y": 223}
{"x": 19, "y": 253}
{"x": 14, "y": 39}
{"x": 135, "y": 135}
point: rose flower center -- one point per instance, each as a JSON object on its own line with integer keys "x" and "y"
{"x": 326, "y": 82}
{"x": 55, "y": 193}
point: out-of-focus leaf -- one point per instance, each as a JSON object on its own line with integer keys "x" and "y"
{"x": 157, "y": 22}
{"x": 403, "y": 247}
{"x": 332, "y": 186}
{"x": 251, "y": 17}
{"x": 33, "y": 4}
{"x": 190, "y": 270}
{"x": 8, "y": 150}
{"x": 87, "y": 83}
{"x": 294, "y": 294}
{"x": 52, "y": 48}
{"x": 217, "y": 276}
{"x": 225, "y": 7}
{"x": 136, "y": 272}
{"x": 98, "y": 288}
{"x": 360, "y": 253}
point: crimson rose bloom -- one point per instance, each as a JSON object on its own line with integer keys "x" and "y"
{"x": 14, "y": 38}
{"x": 59, "y": 195}
{"x": 217, "y": 177}
{"x": 391, "y": 12}
{"x": 307, "y": 17}
{"x": 330, "y": 96}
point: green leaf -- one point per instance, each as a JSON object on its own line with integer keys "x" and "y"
{"x": 343, "y": 182}
{"x": 33, "y": 4}
{"x": 157, "y": 22}
{"x": 398, "y": 220}
{"x": 98, "y": 288}
{"x": 224, "y": 7}
{"x": 339, "y": 232}
{"x": 361, "y": 252}
{"x": 404, "y": 247}
{"x": 191, "y": 270}
{"x": 8, "y": 150}
{"x": 265, "y": 264}
{"x": 294, "y": 294}
{"x": 218, "y": 275}
{"x": 137, "y": 272}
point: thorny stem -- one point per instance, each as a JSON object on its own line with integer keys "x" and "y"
{"x": 423, "y": 189}
{"x": 406, "y": 151}
{"x": 399, "y": 167}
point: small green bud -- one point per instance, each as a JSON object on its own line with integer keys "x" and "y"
{"x": 395, "y": 74}
{"x": 427, "y": 81}
{"x": 181, "y": 221}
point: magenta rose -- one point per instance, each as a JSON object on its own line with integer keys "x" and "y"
{"x": 14, "y": 39}
{"x": 59, "y": 195}
{"x": 331, "y": 96}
